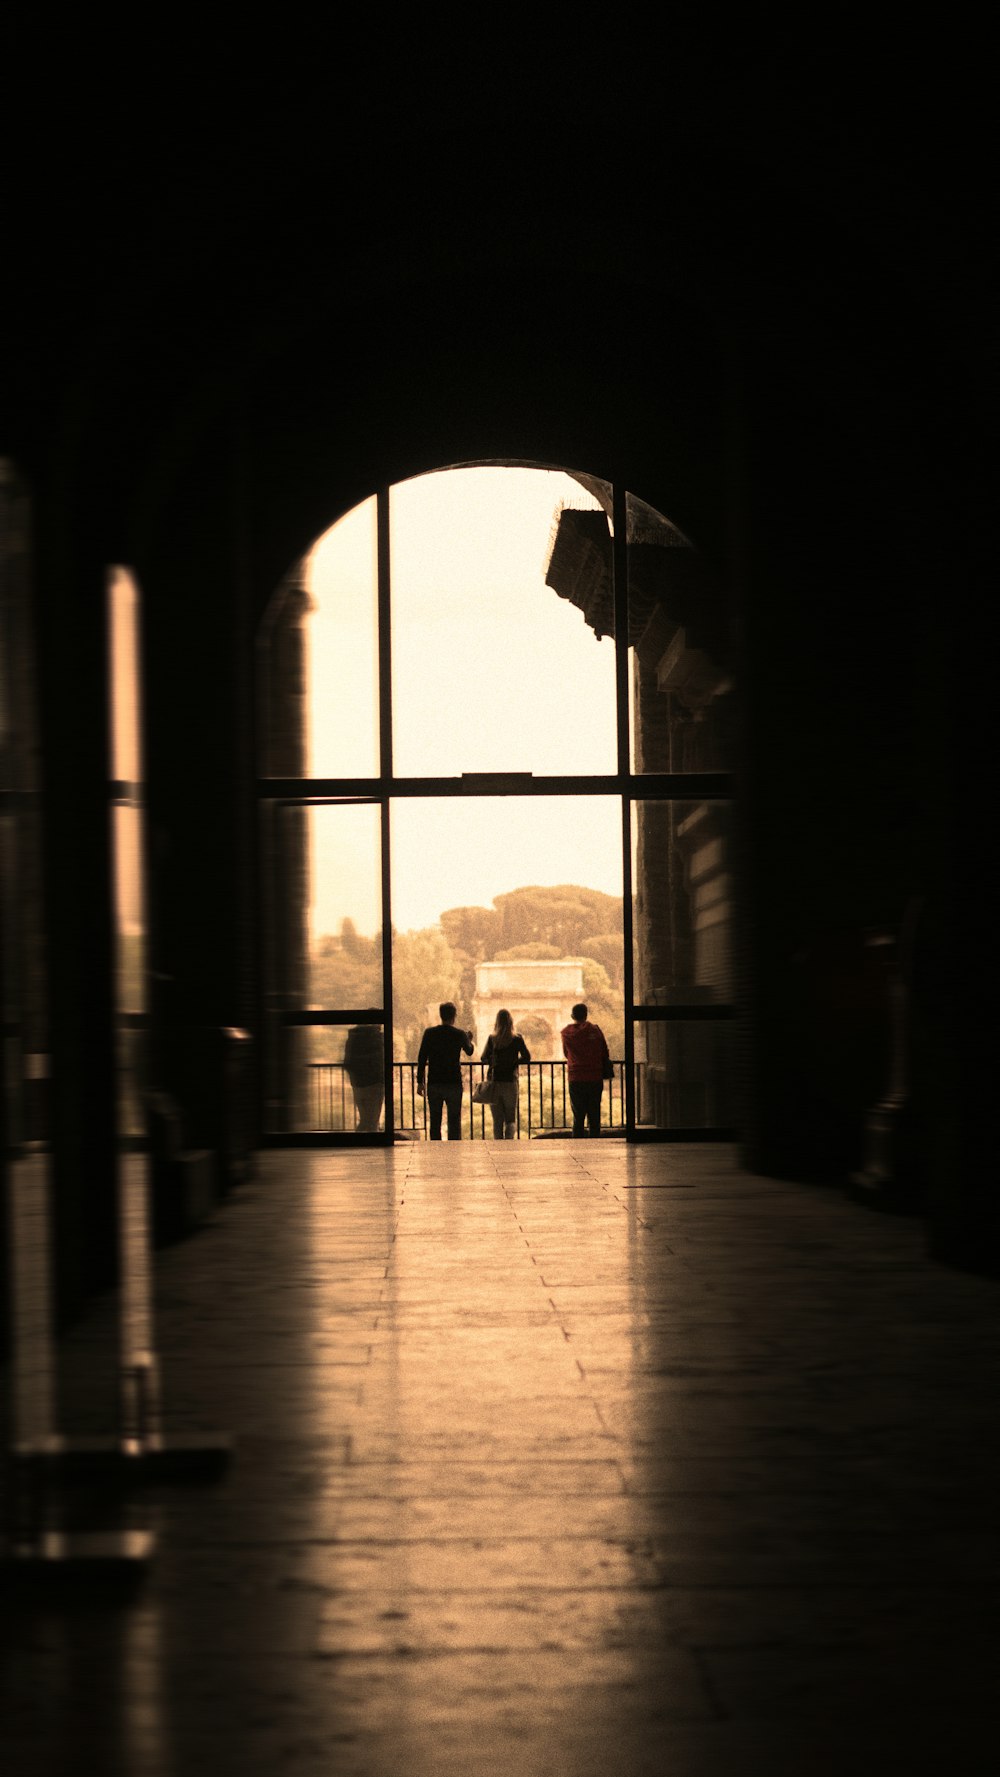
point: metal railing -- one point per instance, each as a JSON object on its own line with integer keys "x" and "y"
{"x": 543, "y": 1099}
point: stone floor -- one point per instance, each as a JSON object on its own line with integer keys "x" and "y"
{"x": 560, "y": 1458}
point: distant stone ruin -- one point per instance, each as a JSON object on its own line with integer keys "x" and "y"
{"x": 539, "y": 992}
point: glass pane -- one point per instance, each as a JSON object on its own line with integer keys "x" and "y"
{"x": 680, "y": 651}
{"x": 130, "y": 923}
{"x": 682, "y": 903}
{"x": 342, "y": 649}
{"x": 344, "y": 1079}
{"x": 131, "y": 976}
{"x": 128, "y": 839}
{"x": 131, "y": 1003}
{"x": 495, "y": 662}
{"x": 329, "y": 914}
{"x": 324, "y": 939}
{"x": 123, "y": 618}
{"x": 510, "y": 903}
{"x": 685, "y": 1075}
{"x": 319, "y": 658}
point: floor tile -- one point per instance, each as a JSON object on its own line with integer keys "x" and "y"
{"x": 624, "y": 1460}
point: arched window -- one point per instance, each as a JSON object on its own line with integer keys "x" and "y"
{"x": 497, "y": 730}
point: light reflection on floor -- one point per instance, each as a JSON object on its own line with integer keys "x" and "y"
{"x": 567, "y": 1456}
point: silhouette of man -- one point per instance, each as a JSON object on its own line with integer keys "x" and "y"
{"x": 587, "y": 1056}
{"x": 441, "y": 1049}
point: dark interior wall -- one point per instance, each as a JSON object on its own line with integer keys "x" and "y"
{"x": 554, "y": 364}
{"x": 198, "y": 709}
{"x": 781, "y": 350}
{"x": 253, "y": 481}
{"x": 201, "y": 776}
{"x": 71, "y": 665}
{"x": 837, "y": 842}
{"x": 810, "y": 547}
{"x": 830, "y": 832}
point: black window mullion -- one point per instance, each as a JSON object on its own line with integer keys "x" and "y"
{"x": 619, "y": 563}
{"x": 308, "y": 1015}
{"x": 628, "y": 981}
{"x": 711, "y": 1011}
{"x": 384, "y": 639}
{"x": 387, "y": 1034}
{"x": 385, "y": 772}
{"x": 681, "y": 786}
{"x": 619, "y": 568}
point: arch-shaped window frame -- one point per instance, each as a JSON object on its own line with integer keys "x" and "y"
{"x": 708, "y": 788}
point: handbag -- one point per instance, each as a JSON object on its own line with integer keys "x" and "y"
{"x": 608, "y": 1070}
{"x": 485, "y": 1092}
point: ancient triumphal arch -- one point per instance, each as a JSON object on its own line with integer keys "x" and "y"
{"x": 542, "y": 990}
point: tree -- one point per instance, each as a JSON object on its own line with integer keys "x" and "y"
{"x": 607, "y": 949}
{"x": 439, "y": 962}
{"x": 537, "y": 1034}
{"x": 473, "y": 930}
{"x": 346, "y": 973}
{"x": 351, "y": 941}
{"x": 604, "y": 1005}
{"x": 424, "y": 972}
{"x": 562, "y": 916}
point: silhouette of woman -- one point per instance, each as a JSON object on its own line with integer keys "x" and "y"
{"x": 503, "y": 1052}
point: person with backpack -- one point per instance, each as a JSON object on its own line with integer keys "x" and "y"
{"x": 588, "y": 1063}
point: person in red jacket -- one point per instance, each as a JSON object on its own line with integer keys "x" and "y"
{"x": 588, "y": 1064}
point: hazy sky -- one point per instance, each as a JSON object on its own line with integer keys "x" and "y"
{"x": 459, "y": 853}
{"x": 492, "y": 671}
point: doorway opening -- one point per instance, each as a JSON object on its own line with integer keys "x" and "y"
{"x": 497, "y": 744}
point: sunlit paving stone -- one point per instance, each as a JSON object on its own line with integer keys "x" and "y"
{"x": 474, "y": 1442}
{"x": 514, "y": 1515}
{"x": 463, "y": 1478}
{"x": 475, "y": 1565}
{"x": 515, "y": 1483}
{"x": 365, "y": 1622}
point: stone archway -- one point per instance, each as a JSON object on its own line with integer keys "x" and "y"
{"x": 544, "y": 991}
